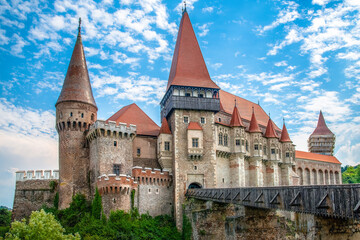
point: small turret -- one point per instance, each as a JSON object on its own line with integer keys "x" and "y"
{"x": 285, "y": 135}
{"x": 165, "y": 145}
{"x": 322, "y": 140}
{"x": 254, "y": 126}
{"x": 236, "y": 118}
{"x": 270, "y": 131}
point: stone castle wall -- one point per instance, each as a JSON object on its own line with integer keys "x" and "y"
{"x": 147, "y": 156}
{"x": 33, "y": 191}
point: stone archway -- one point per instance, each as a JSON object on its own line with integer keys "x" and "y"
{"x": 194, "y": 185}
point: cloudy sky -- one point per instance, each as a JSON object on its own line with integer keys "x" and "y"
{"x": 294, "y": 57}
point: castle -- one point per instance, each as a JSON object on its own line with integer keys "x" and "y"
{"x": 208, "y": 138}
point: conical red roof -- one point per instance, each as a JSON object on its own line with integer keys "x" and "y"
{"x": 270, "y": 132}
{"x": 285, "y": 135}
{"x": 77, "y": 85}
{"x": 254, "y": 126}
{"x": 132, "y": 114}
{"x": 188, "y": 67}
{"x": 321, "y": 128}
{"x": 236, "y": 118}
{"x": 165, "y": 127}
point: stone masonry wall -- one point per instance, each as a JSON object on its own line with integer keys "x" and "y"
{"x": 218, "y": 221}
{"x": 155, "y": 199}
{"x": 31, "y": 195}
{"x": 148, "y": 155}
{"x": 186, "y": 171}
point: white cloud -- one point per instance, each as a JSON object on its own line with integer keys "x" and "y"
{"x": 3, "y": 39}
{"x": 17, "y": 48}
{"x": 204, "y": 29}
{"x": 320, "y": 2}
{"x": 281, "y": 64}
{"x": 287, "y": 15}
{"x": 207, "y": 9}
{"x": 216, "y": 66}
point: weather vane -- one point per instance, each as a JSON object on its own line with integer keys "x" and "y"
{"x": 79, "y": 24}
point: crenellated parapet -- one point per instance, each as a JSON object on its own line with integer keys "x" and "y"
{"x": 115, "y": 184}
{"x": 148, "y": 176}
{"x": 111, "y": 129}
{"x": 37, "y": 175}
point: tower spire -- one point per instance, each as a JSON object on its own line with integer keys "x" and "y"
{"x": 77, "y": 87}
{"x": 284, "y": 134}
{"x": 270, "y": 131}
{"x": 254, "y": 126}
{"x": 188, "y": 67}
{"x": 184, "y": 10}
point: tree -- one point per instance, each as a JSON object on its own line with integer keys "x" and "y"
{"x": 41, "y": 226}
{"x": 96, "y": 207}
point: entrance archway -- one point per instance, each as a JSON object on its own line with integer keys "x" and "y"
{"x": 194, "y": 185}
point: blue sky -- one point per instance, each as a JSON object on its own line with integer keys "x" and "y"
{"x": 295, "y": 57}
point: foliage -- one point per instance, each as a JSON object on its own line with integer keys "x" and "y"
{"x": 351, "y": 174}
{"x": 41, "y": 226}
{"x": 80, "y": 218}
{"x": 96, "y": 207}
{"x": 56, "y": 201}
{"x": 187, "y": 229}
{"x": 5, "y": 220}
{"x": 53, "y": 185}
{"x": 132, "y": 198}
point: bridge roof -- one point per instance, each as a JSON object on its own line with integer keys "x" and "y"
{"x": 316, "y": 157}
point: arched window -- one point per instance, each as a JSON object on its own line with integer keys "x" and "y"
{"x": 300, "y": 174}
{"x": 247, "y": 145}
{"x": 314, "y": 177}
{"x": 307, "y": 177}
{"x": 225, "y": 140}
{"x": 92, "y": 117}
{"x": 220, "y": 139}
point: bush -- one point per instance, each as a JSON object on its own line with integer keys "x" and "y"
{"x": 41, "y": 226}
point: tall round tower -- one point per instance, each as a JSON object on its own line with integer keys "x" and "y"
{"x": 76, "y": 110}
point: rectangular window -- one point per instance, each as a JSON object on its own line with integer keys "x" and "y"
{"x": 115, "y": 143}
{"x": 116, "y": 169}
{"x": 273, "y": 151}
{"x": 187, "y": 94}
{"x": 287, "y": 154}
{"x": 237, "y": 142}
{"x": 138, "y": 151}
{"x": 195, "y": 142}
{"x": 167, "y": 146}
{"x": 201, "y": 95}
{"x": 256, "y": 147}
{"x": 186, "y": 119}
{"x": 243, "y": 142}
{"x": 202, "y": 120}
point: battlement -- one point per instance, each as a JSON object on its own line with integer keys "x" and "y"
{"x": 36, "y": 175}
{"x": 111, "y": 129}
{"x": 148, "y": 176}
{"x": 112, "y": 183}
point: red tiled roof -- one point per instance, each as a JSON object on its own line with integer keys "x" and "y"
{"x": 245, "y": 107}
{"x": 270, "y": 132}
{"x": 188, "y": 67}
{"x": 321, "y": 128}
{"x": 194, "y": 126}
{"x": 236, "y": 119}
{"x": 164, "y": 127}
{"x": 76, "y": 85}
{"x": 132, "y": 114}
{"x": 254, "y": 126}
{"x": 316, "y": 157}
{"x": 285, "y": 135}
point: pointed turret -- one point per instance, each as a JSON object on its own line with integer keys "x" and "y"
{"x": 285, "y": 135}
{"x": 270, "y": 131}
{"x": 77, "y": 86}
{"x": 188, "y": 67}
{"x": 321, "y": 128}
{"x": 322, "y": 140}
{"x": 236, "y": 118}
{"x": 164, "y": 127}
{"x": 254, "y": 126}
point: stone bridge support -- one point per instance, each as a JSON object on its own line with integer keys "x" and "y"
{"x": 211, "y": 220}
